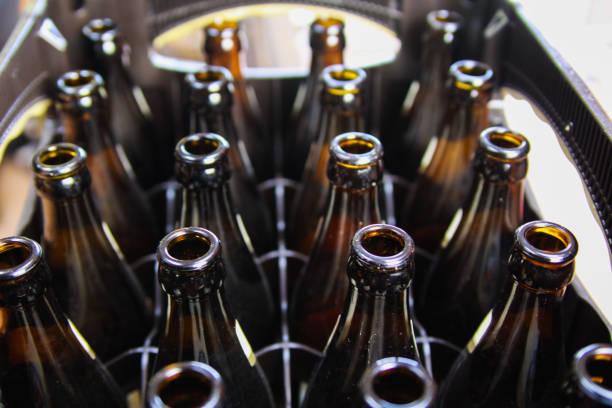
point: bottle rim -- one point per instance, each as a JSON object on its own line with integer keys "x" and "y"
{"x": 353, "y": 159}
{"x": 340, "y": 79}
{"x": 582, "y": 358}
{"x": 171, "y": 372}
{"x": 445, "y": 20}
{"x": 388, "y": 364}
{"x": 79, "y": 83}
{"x": 327, "y": 26}
{"x": 101, "y": 29}
{"x": 223, "y": 29}
{"x": 30, "y": 251}
{"x": 205, "y": 256}
{"x": 395, "y": 261}
{"x": 531, "y": 235}
{"x": 223, "y": 77}
{"x": 504, "y": 144}
{"x": 208, "y": 158}
{"x": 470, "y": 74}
{"x": 59, "y": 160}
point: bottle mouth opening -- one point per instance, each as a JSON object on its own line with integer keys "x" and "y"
{"x": 100, "y": 29}
{"x": 397, "y": 381}
{"x": 445, "y": 20}
{"x": 383, "y": 246}
{"x": 58, "y": 160}
{"x": 203, "y": 148}
{"x": 213, "y": 78}
{"x": 547, "y": 242}
{"x": 224, "y": 28}
{"x": 504, "y": 144}
{"x": 79, "y": 83}
{"x": 18, "y": 255}
{"x": 593, "y": 365}
{"x": 329, "y": 25}
{"x": 356, "y": 149}
{"x": 190, "y": 384}
{"x": 470, "y": 74}
{"x": 340, "y": 80}
{"x": 190, "y": 248}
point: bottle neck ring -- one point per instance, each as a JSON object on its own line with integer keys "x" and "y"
{"x": 592, "y": 368}
{"x": 60, "y": 170}
{"x": 202, "y": 160}
{"x": 211, "y": 88}
{"x": 502, "y": 155}
{"x": 355, "y": 160}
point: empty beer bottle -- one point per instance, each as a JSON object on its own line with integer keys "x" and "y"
{"x": 82, "y": 102}
{"x": 95, "y": 287}
{"x": 375, "y": 322}
{"x": 424, "y": 105}
{"x": 327, "y": 44}
{"x": 342, "y": 111}
{"x": 398, "y": 382}
{"x": 445, "y": 173}
{"x": 210, "y": 102}
{"x": 355, "y": 171}
{"x": 516, "y": 356}
{"x": 108, "y": 54}
{"x": 202, "y": 168}
{"x": 199, "y": 325}
{"x": 469, "y": 271}
{"x": 45, "y": 361}
{"x": 222, "y": 47}
{"x": 189, "y": 384}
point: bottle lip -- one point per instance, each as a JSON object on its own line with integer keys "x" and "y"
{"x": 59, "y": 160}
{"x": 528, "y": 234}
{"x": 367, "y": 158}
{"x": 398, "y": 260}
{"x": 445, "y": 20}
{"x": 208, "y": 158}
{"x": 471, "y": 74}
{"x": 504, "y": 144}
{"x": 597, "y": 351}
{"x": 327, "y": 26}
{"x": 168, "y": 244}
{"x": 220, "y": 77}
{"x": 340, "y": 79}
{"x": 79, "y": 84}
{"x": 385, "y": 365}
{"x": 223, "y": 29}
{"x": 101, "y": 30}
{"x": 31, "y": 252}
{"x": 171, "y": 372}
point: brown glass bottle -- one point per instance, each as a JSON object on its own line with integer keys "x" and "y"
{"x": 199, "y": 324}
{"x": 82, "y": 103}
{"x": 375, "y": 321}
{"x": 445, "y": 173}
{"x": 517, "y": 354}
{"x": 589, "y": 381}
{"x": 469, "y": 270}
{"x": 202, "y": 168}
{"x": 398, "y": 382}
{"x": 355, "y": 171}
{"x": 342, "y": 111}
{"x": 222, "y": 47}
{"x": 189, "y": 384}
{"x": 45, "y": 361}
{"x": 210, "y": 102}
{"x": 108, "y": 54}
{"x": 327, "y": 44}
{"x": 96, "y": 288}
{"x": 424, "y": 105}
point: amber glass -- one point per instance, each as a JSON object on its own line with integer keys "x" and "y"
{"x": 517, "y": 354}
{"x": 96, "y": 288}
{"x": 189, "y": 384}
{"x": 375, "y": 322}
{"x": 199, "y": 323}
{"x": 210, "y": 102}
{"x": 202, "y": 168}
{"x": 45, "y": 361}
{"x": 397, "y": 382}
{"x": 355, "y": 171}
{"x": 589, "y": 381}
{"x": 109, "y": 55}
{"x": 327, "y": 44}
{"x": 424, "y": 105}
{"x": 445, "y": 173}
{"x": 82, "y": 102}
{"x": 469, "y": 271}
{"x": 342, "y": 111}
{"x": 222, "y": 47}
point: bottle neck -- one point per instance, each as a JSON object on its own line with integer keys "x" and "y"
{"x": 209, "y": 206}
{"x": 437, "y": 57}
{"x": 229, "y": 59}
{"x": 88, "y": 129}
{"x": 322, "y": 59}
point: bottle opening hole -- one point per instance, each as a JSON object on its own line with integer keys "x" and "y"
{"x": 13, "y": 255}
{"x": 328, "y": 22}
{"x": 201, "y": 147}
{"x": 209, "y": 76}
{"x": 78, "y": 79}
{"x": 217, "y": 27}
{"x": 473, "y": 70}
{"x": 398, "y": 386}
{"x": 506, "y": 140}
{"x": 57, "y": 157}
{"x": 448, "y": 18}
{"x": 186, "y": 391}
{"x": 344, "y": 75}
{"x": 188, "y": 247}
{"x": 383, "y": 243}
{"x": 100, "y": 25}
{"x": 356, "y": 146}
{"x": 548, "y": 239}
{"x": 599, "y": 369}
